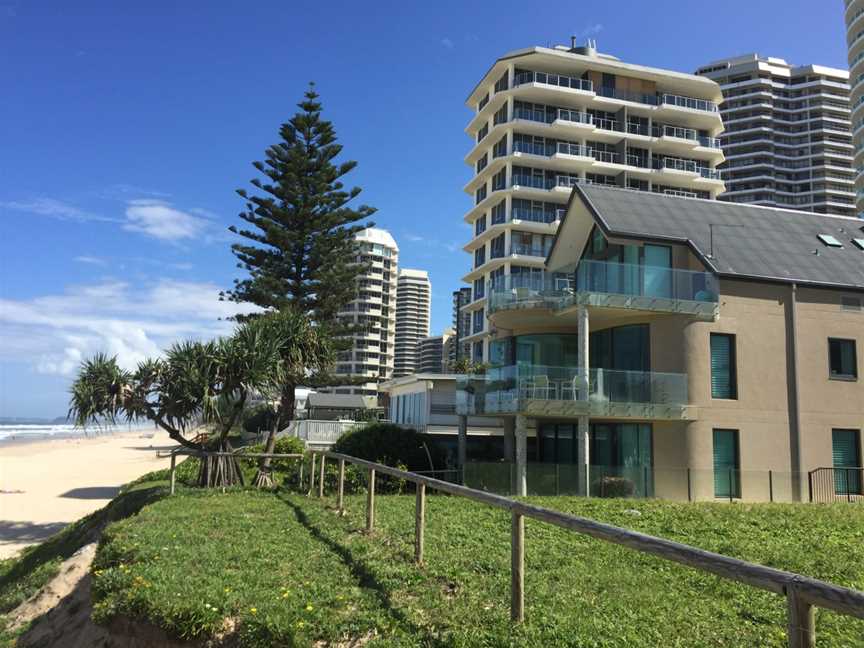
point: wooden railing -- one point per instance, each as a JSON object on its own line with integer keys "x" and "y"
{"x": 802, "y": 593}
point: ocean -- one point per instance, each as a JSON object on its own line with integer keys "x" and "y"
{"x": 40, "y": 431}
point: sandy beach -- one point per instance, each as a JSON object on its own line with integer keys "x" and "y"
{"x": 45, "y": 485}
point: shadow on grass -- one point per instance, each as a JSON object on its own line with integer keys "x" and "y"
{"x": 362, "y": 574}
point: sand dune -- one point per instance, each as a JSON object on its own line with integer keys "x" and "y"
{"x": 45, "y": 485}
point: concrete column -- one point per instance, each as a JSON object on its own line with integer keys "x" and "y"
{"x": 510, "y": 449}
{"x": 462, "y": 446}
{"x": 584, "y": 447}
{"x": 521, "y": 456}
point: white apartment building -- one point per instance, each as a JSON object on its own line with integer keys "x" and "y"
{"x": 854, "y": 17}
{"x": 413, "y": 297}
{"x": 546, "y": 119}
{"x": 374, "y": 310}
{"x": 787, "y": 137}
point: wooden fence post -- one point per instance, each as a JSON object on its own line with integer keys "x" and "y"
{"x": 801, "y": 620}
{"x": 370, "y": 502}
{"x": 321, "y": 478}
{"x": 419, "y": 522}
{"x": 173, "y": 471}
{"x": 312, "y": 477}
{"x": 517, "y": 567}
{"x": 340, "y": 498}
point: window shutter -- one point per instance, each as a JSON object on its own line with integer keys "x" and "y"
{"x": 721, "y": 366}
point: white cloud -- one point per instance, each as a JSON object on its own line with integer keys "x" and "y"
{"x": 446, "y": 42}
{"x": 591, "y": 30}
{"x": 90, "y": 260}
{"x": 160, "y": 220}
{"x": 53, "y": 208}
{"x": 53, "y": 333}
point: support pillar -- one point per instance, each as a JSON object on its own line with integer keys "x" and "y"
{"x": 462, "y": 447}
{"x": 510, "y": 450}
{"x": 584, "y": 444}
{"x": 521, "y": 489}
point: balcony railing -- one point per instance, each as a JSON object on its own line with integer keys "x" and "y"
{"x": 537, "y": 182}
{"x": 568, "y": 148}
{"x": 561, "y": 81}
{"x": 638, "y": 161}
{"x": 575, "y": 116}
{"x": 626, "y": 95}
{"x": 645, "y": 281}
{"x": 675, "y": 164}
{"x": 679, "y": 132}
{"x": 688, "y": 102}
{"x": 524, "y": 249}
{"x": 533, "y": 148}
{"x": 517, "y": 291}
{"x": 605, "y": 156}
{"x": 710, "y": 142}
{"x": 710, "y": 174}
{"x": 533, "y": 115}
{"x": 536, "y": 215}
{"x": 608, "y": 124}
{"x": 514, "y": 388}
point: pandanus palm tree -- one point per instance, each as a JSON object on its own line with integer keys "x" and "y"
{"x": 195, "y": 384}
{"x": 305, "y": 353}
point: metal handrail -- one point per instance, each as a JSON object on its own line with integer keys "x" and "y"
{"x": 802, "y": 592}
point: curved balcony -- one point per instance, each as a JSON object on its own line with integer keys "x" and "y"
{"x": 567, "y": 391}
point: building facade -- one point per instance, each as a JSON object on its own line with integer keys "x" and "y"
{"x": 413, "y": 302}
{"x": 434, "y": 353}
{"x": 787, "y": 137}
{"x": 547, "y": 119}
{"x": 373, "y": 312}
{"x": 854, "y": 16}
{"x": 708, "y": 366}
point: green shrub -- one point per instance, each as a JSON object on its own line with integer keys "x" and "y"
{"x": 280, "y": 467}
{"x": 393, "y": 446}
{"x": 609, "y": 486}
{"x": 258, "y": 419}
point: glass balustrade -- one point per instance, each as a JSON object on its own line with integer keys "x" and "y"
{"x": 512, "y": 388}
{"x": 575, "y": 116}
{"x": 559, "y": 80}
{"x": 535, "y": 215}
{"x": 608, "y": 124}
{"x": 710, "y": 174}
{"x": 677, "y": 164}
{"x": 533, "y": 148}
{"x": 532, "y": 115}
{"x": 568, "y": 148}
{"x": 605, "y": 156}
{"x": 680, "y": 133}
{"x": 567, "y": 181}
{"x": 688, "y": 102}
{"x": 531, "y": 291}
{"x": 525, "y": 249}
{"x": 654, "y": 282}
{"x": 710, "y": 142}
{"x": 626, "y": 95}
{"x": 536, "y": 182}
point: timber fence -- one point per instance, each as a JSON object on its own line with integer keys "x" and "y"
{"x": 803, "y": 594}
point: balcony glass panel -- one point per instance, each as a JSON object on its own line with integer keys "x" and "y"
{"x": 525, "y": 249}
{"x": 689, "y": 102}
{"x": 533, "y": 148}
{"x": 511, "y": 388}
{"x": 527, "y": 76}
{"x": 575, "y": 116}
{"x": 537, "y": 182}
{"x": 528, "y": 291}
{"x": 568, "y": 148}
{"x": 626, "y": 95}
{"x": 532, "y": 115}
{"x": 710, "y": 142}
{"x": 646, "y": 281}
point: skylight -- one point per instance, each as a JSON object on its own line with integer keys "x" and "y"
{"x": 859, "y": 242}
{"x": 829, "y": 240}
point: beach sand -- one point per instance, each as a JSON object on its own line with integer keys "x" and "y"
{"x": 64, "y": 479}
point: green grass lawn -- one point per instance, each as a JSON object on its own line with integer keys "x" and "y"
{"x": 289, "y": 571}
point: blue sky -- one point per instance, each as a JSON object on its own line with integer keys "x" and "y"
{"x": 126, "y": 127}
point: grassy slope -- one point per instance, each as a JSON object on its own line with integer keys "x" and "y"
{"x": 291, "y": 571}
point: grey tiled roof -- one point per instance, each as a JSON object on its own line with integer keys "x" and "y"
{"x": 749, "y": 241}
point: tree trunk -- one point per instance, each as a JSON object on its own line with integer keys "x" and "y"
{"x": 220, "y": 471}
{"x": 284, "y": 416}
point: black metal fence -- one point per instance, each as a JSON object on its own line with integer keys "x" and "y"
{"x": 836, "y": 484}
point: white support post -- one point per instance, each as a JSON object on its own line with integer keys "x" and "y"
{"x": 521, "y": 456}
{"x": 462, "y": 442}
{"x": 584, "y": 445}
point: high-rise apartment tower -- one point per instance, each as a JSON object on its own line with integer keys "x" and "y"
{"x": 787, "y": 138}
{"x": 413, "y": 296}
{"x": 546, "y": 119}
{"x": 854, "y": 16}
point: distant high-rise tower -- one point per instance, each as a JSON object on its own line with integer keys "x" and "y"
{"x": 855, "y": 42}
{"x": 787, "y": 138}
{"x": 413, "y": 296}
{"x": 373, "y": 309}
{"x": 433, "y": 353}
{"x": 461, "y": 324}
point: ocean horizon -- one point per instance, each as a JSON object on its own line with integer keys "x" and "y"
{"x": 49, "y": 430}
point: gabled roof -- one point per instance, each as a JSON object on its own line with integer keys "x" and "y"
{"x": 748, "y": 241}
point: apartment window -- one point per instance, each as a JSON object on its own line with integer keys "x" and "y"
{"x": 842, "y": 358}
{"x": 724, "y": 379}
{"x": 500, "y": 148}
{"x": 496, "y": 247}
{"x": 482, "y": 162}
{"x": 477, "y": 352}
{"x": 499, "y": 213}
{"x": 846, "y": 452}
{"x": 480, "y": 194}
{"x": 483, "y": 102}
{"x": 499, "y": 180}
{"x": 480, "y": 225}
{"x": 727, "y": 466}
{"x": 502, "y": 83}
{"x": 477, "y": 321}
{"x": 500, "y": 115}
{"x": 483, "y": 132}
{"x": 479, "y": 256}
{"x": 479, "y": 288}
